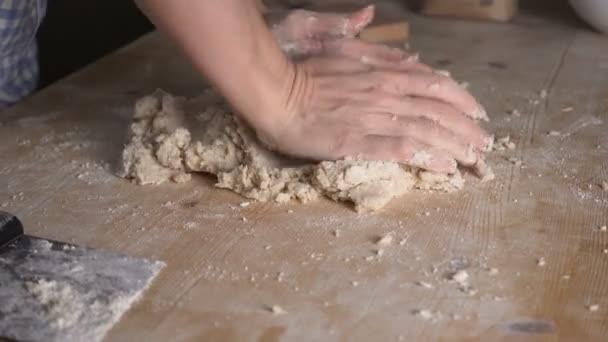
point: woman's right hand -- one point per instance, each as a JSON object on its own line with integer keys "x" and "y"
{"x": 341, "y": 107}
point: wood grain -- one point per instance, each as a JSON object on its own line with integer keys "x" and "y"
{"x": 58, "y": 149}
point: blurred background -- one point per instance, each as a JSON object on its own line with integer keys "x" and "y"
{"x": 76, "y": 32}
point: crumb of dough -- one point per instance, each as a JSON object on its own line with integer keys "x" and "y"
{"x": 424, "y": 284}
{"x": 244, "y": 204}
{"x": 541, "y": 262}
{"x": 503, "y": 143}
{"x": 424, "y": 314}
{"x": 516, "y": 113}
{"x": 172, "y": 137}
{"x": 603, "y": 228}
{"x": 493, "y": 271}
{"x": 385, "y": 239}
{"x": 336, "y": 232}
{"x": 515, "y": 161}
{"x": 567, "y": 109}
{"x": 461, "y": 277}
{"x": 593, "y": 307}
{"x": 483, "y": 171}
{"x": 554, "y": 133}
{"x": 277, "y": 310}
{"x": 543, "y": 94}
{"x": 604, "y": 185}
{"x": 605, "y": 251}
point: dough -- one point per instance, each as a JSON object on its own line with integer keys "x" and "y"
{"x": 172, "y": 137}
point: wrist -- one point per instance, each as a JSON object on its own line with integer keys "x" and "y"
{"x": 280, "y": 102}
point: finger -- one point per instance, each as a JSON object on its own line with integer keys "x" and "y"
{"x": 355, "y": 48}
{"x": 439, "y": 112}
{"x": 428, "y": 85}
{"x": 419, "y": 129}
{"x": 325, "y": 25}
{"x": 359, "y": 20}
{"x": 335, "y": 65}
{"x": 404, "y": 150}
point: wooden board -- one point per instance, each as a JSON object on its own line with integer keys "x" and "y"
{"x": 58, "y": 150}
{"x": 395, "y": 33}
{"x": 498, "y": 10}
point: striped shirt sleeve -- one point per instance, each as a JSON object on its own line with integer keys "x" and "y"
{"x": 19, "y": 21}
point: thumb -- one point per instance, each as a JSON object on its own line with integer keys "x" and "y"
{"x": 357, "y": 21}
{"x": 340, "y": 25}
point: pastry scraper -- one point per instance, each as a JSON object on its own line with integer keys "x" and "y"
{"x": 54, "y": 291}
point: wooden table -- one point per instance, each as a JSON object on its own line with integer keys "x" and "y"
{"x": 318, "y": 262}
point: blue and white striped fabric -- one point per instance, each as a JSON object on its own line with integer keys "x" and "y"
{"x": 19, "y": 21}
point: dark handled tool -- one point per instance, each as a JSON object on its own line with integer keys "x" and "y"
{"x": 10, "y": 228}
{"x": 54, "y": 291}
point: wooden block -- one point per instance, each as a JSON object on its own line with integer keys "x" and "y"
{"x": 497, "y": 10}
{"x": 386, "y": 33}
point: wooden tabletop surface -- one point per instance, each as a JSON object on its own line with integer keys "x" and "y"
{"x": 529, "y": 241}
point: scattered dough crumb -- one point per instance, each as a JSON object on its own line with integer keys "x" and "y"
{"x": 516, "y": 113}
{"x": 593, "y": 307}
{"x": 554, "y": 133}
{"x": 566, "y": 277}
{"x": 541, "y": 262}
{"x": 461, "y": 277}
{"x": 244, "y": 204}
{"x": 277, "y": 310}
{"x": 543, "y": 94}
{"x": 354, "y": 283}
{"x": 567, "y": 109}
{"x": 336, "y": 232}
{"x": 424, "y": 314}
{"x": 503, "y": 143}
{"x": 605, "y": 251}
{"x": 604, "y": 185}
{"x": 493, "y": 271}
{"x": 603, "y": 228}
{"x": 515, "y": 161}
{"x": 385, "y": 239}
{"x": 424, "y": 284}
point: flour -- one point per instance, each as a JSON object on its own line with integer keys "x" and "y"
{"x": 62, "y": 304}
{"x": 173, "y": 137}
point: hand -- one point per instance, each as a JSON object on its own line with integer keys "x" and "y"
{"x": 340, "y": 107}
{"x": 304, "y": 33}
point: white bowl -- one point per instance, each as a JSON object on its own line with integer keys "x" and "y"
{"x": 594, "y": 12}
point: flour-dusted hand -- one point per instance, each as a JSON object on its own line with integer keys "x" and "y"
{"x": 305, "y": 33}
{"x": 342, "y": 97}
{"x": 339, "y": 107}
